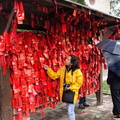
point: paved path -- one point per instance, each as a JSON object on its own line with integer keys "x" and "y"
{"x": 102, "y": 112}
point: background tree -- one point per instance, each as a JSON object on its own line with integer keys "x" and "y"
{"x": 80, "y": 1}
{"x": 115, "y": 7}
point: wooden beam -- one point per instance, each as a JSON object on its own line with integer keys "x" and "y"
{"x": 5, "y": 96}
{"x": 9, "y": 20}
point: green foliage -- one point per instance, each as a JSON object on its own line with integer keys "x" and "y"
{"x": 79, "y": 1}
{"x": 33, "y": 31}
{"x": 115, "y": 7}
{"x": 106, "y": 89}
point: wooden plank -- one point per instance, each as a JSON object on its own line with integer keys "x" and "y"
{"x": 10, "y": 20}
{"x": 5, "y": 96}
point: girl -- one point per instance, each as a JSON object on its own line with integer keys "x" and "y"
{"x": 72, "y": 74}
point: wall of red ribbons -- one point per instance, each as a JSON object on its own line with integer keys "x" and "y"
{"x": 25, "y": 53}
{"x": 32, "y": 89}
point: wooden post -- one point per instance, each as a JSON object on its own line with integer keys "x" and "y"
{"x": 5, "y": 96}
{"x": 99, "y": 95}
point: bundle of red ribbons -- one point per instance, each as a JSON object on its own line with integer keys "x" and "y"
{"x": 32, "y": 89}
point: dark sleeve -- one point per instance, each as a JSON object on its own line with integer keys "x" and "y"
{"x": 110, "y": 77}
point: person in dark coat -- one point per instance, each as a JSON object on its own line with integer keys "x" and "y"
{"x": 82, "y": 103}
{"x": 114, "y": 82}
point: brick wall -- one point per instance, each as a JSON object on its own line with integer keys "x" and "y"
{"x": 100, "y": 5}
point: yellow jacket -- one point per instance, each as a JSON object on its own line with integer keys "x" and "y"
{"x": 75, "y": 80}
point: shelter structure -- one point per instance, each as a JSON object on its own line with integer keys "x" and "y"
{"x": 69, "y": 28}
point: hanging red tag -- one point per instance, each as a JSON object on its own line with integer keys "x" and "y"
{"x": 75, "y": 13}
{"x": 64, "y": 28}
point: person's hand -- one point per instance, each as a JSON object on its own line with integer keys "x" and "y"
{"x": 46, "y": 67}
{"x": 68, "y": 88}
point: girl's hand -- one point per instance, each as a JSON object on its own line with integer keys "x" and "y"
{"x": 46, "y": 67}
{"x": 68, "y": 88}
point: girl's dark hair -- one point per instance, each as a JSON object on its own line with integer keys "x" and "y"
{"x": 75, "y": 62}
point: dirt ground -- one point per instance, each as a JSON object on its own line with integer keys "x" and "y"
{"x": 94, "y": 112}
